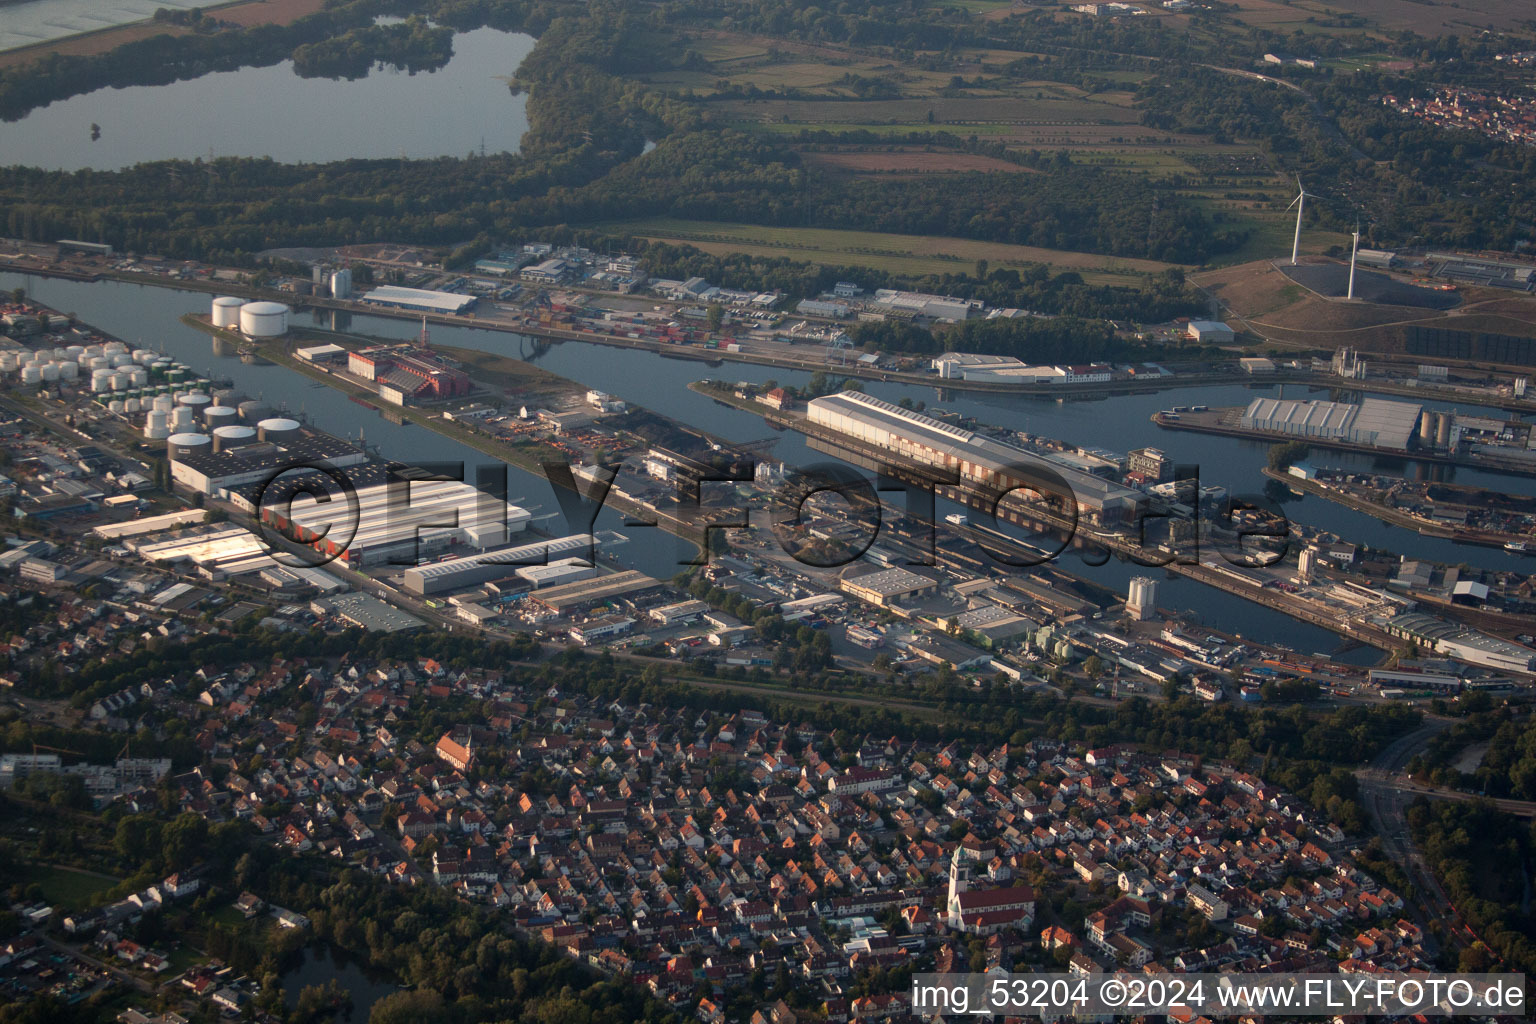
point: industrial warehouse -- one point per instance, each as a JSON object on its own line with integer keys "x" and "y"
{"x": 1373, "y": 422}
{"x": 473, "y": 570}
{"x": 420, "y": 300}
{"x": 982, "y": 462}
{"x": 394, "y": 521}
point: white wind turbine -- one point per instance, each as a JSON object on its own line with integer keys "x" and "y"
{"x": 1354, "y": 250}
{"x": 1300, "y": 202}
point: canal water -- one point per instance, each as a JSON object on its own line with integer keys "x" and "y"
{"x": 458, "y": 109}
{"x": 320, "y": 964}
{"x": 149, "y": 316}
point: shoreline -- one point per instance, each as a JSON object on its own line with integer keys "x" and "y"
{"x": 1071, "y": 392}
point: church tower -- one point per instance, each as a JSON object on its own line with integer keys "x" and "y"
{"x": 959, "y": 882}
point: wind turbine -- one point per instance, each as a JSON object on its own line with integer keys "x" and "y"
{"x": 1353, "y": 250}
{"x": 1300, "y": 202}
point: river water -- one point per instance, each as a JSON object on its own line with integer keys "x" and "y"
{"x": 146, "y": 315}
{"x": 270, "y": 111}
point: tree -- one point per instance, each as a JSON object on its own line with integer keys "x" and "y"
{"x": 1283, "y": 456}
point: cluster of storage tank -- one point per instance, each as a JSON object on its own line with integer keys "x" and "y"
{"x": 194, "y": 421}
{"x": 253, "y": 319}
{"x": 114, "y": 371}
{"x": 45, "y": 366}
{"x": 1435, "y": 429}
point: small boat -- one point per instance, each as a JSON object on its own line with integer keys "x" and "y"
{"x": 1515, "y": 547}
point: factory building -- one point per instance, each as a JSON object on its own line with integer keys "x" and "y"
{"x": 1459, "y": 642}
{"x": 397, "y": 522}
{"x": 1210, "y": 332}
{"x": 367, "y": 612}
{"x": 982, "y": 462}
{"x": 473, "y": 570}
{"x": 915, "y": 304}
{"x": 196, "y": 466}
{"x": 420, "y": 300}
{"x": 573, "y": 597}
{"x": 413, "y": 374}
{"x": 1374, "y": 422}
{"x": 886, "y": 587}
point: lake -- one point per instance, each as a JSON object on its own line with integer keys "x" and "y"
{"x": 319, "y": 964}
{"x": 272, "y": 112}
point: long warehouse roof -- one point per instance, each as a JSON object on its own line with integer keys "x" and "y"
{"x": 967, "y": 445}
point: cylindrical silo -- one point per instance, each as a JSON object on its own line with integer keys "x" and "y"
{"x": 76, "y": 352}
{"x": 1426, "y": 427}
{"x": 279, "y": 429}
{"x": 263, "y": 319}
{"x": 69, "y": 370}
{"x": 50, "y": 371}
{"x": 157, "y": 424}
{"x": 31, "y": 374}
{"x": 1443, "y": 429}
{"x": 179, "y": 445}
{"x": 254, "y": 412}
{"x": 119, "y": 380}
{"x": 131, "y": 406}
{"x": 219, "y": 415}
{"x": 101, "y": 380}
{"x": 164, "y": 403}
{"x": 234, "y": 436}
{"x": 182, "y": 420}
{"x": 226, "y": 311}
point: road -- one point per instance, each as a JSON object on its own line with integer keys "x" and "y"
{"x": 1386, "y": 802}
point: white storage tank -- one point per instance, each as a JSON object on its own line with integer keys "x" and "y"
{"x": 50, "y": 372}
{"x": 75, "y": 352}
{"x": 164, "y": 403}
{"x": 194, "y": 400}
{"x": 254, "y": 412}
{"x": 233, "y": 436}
{"x": 69, "y": 370}
{"x": 9, "y": 362}
{"x": 263, "y": 319}
{"x": 131, "y": 406}
{"x": 92, "y": 351}
{"x": 101, "y": 380}
{"x": 157, "y": 425}
{"x": 219, "y": 415}
{"x": 226, "y": 311}
{"x": 138, "y": 377}
{"x": 143, "y": 355}
{"x": 119, "y": 380}
{"x": 182, "y": 420}
{"x": 31, "y": 374}
{"x": 113, "y": 346}
{"x": 279, "y": 429}
{"x": 117, "y": 406}
{"x": 180, "y": 445}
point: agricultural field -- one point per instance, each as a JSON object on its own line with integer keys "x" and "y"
{"x": 905, "y": 160}
{"x": 899, "y": 254}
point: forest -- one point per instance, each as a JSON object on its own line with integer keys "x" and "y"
{"x": 1482, "y": 857}
{"x": 411, "y": 45}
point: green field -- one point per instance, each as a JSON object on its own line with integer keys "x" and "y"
{"x": 68, "y": 889}
{"x": 897, "y": 254}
